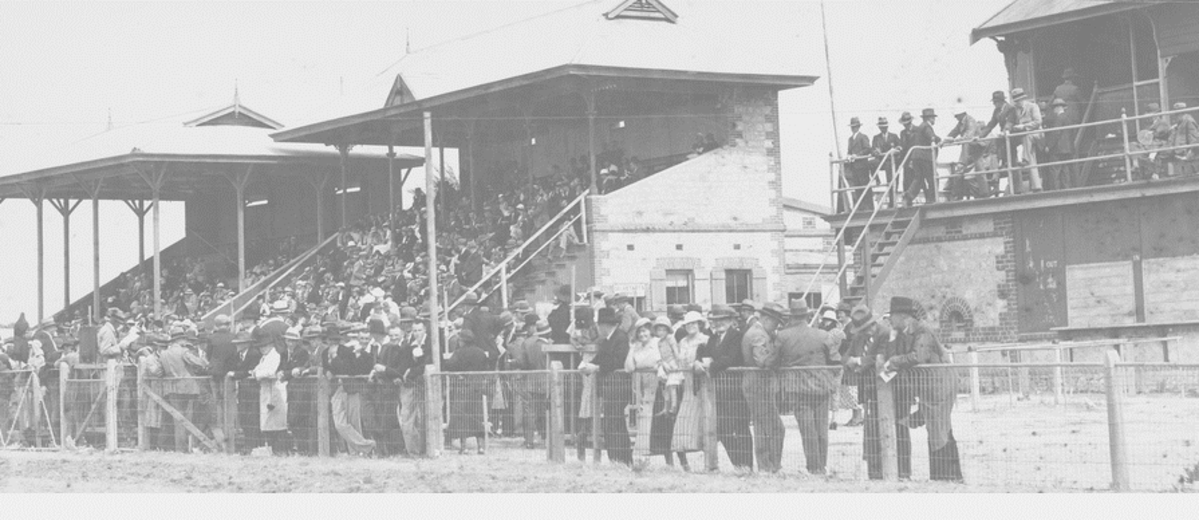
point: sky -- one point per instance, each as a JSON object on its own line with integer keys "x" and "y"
{"x": 66, "y": 69}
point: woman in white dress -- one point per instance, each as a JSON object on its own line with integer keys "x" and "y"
{"x": 689, "y": 423}
{"x": 643, "y": 363}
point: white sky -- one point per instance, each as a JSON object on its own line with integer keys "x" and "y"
{"x": 63, "y": 67}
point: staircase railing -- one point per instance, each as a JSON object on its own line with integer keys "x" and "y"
{"x": 503, "y": 272}
{"x": 866, "y": 191}
{"x": 240, "y": 301}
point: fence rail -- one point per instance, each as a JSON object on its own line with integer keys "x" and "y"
{"x": 1110, "y": 425}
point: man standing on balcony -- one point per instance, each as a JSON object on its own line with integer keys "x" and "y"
{"x": 1028, "y": 118}
{"x": 1069, "y": 92}
{"x": 1061, "y": 147}
{"x": 886, "y": 148}
{"x": 857, "y": 166}
{"x": 1185, "y": 133}
{"x": 1003, "y": 117}
{"x": 907, "y": 137}
{"x": 923, "y": 159}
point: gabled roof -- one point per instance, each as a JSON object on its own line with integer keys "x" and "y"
{"x": 806, "y": 207}
{"x": 235, "y": 115}
{"x": 709, "y": 38}
{"x": 643, "y": 9}
{"x": 1024, "y": 15}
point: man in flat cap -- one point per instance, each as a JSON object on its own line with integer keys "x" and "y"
{"x": 915, "y": 344}
{"x": 759, "y": 349}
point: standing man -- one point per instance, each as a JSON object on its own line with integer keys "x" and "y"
{"x": 746, "y": 313}
{"x": 1027, "y": 118}
{"x": 615, "y": 389}
{"x": 868, "y": 337}
{"x": 106, "y": 338}
{"x": 923, "y": 159}
{"x": 628, "y": 315}
{"x": 409, "y": 369}
{"x": 1185, "y": 133}
{"x": 559, "y": 318}
{"x": 886, "y": 148}
{"x": 1068, "y": 92}
{"x": 858, "y": 167}
{"x": 275, "y": 326}
{"x": 485, "y": 326}
{"x": 187, "y": 394}
{"x": 351, "y": 360}
{"x": 272, "y": 393}
{"x": 907, "y": 139}
{"x": 914, "y": 345}
{"x": 1060, "y": 145}
{"x": 732, "y": 412}
{"x": 760, "y": 351}
{"x": 966, "y": 134}
{"x": 809, "y": 390}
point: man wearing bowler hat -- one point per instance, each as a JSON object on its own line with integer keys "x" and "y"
{"x": 886, "y": 148}
{"x": 615, "y": 389}
{"x": 857, "y": 166}
{"x": 808, "y": 391}
{"x": 1027, "y": 118}
{"x": 732, "y": 412}
{"x": 923, "y": 158}
{"x": 760, "y": 351}
{"x": 915, "y": 344}
{"x": 868, "y": 336}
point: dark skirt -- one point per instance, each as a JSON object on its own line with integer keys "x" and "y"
{"x": 465, "y": 406}
{"x": 662, "y": 426}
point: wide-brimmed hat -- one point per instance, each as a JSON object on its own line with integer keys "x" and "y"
{"x": 261, "y": 337}
{"x": 798, "y": 309}
{"x": 1058, "y": 102}
{"x": 642, "y": 322}
{"x": 158, "y": 339}
{"x": 543, "y": 328}
{"x": 928, "y": 113}
{"x": 178, "y": 332}
{"x": 292, "y": 333}
{"x": 853, "y": 121}
{"x": 521, "y": 306}
{"x": 377, "y": 327}
{"x": 905, "y": 117}
{"x": 222, "y": 320}
{"x": 747, "y": 305}
{"x": 470, "y": 298}
{"x": 607, "y": 316}
{"x": 691, "y": 317}
{"x": 773, "y": 310}
{"x": 620, "y": 297}
{"x": 882, "y": 121}
{"x": 1179, "y": 105}
{"x": 1069, "y": 73}
{"x": 860, "y": 313}
{"x": 900, "y": 304}
{"x": 721, "y": 311}
{"x": 1153, "y": 107}
{"x": 663, "y": 321}
{"x": 1018, "y": 94}
{"x": 117, "y": 314}
{"x": 243, "y": 337}
{"x": 828, "y": 314}
{"x": 312, "y": 332}
{"x": 279, "y": 306}
{"x": 998, "y": 95}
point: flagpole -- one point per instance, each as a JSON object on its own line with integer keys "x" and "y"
{"x": 828, "y": 67}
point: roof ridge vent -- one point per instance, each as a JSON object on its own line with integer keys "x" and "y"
{"x": 642, "y": 10}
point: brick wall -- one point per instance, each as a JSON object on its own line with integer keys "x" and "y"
{"x": 963, "y": 272}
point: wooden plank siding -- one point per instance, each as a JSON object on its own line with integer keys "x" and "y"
{"x": 1177, "y": 27}
{"x": 1100, "y": 294}
{"x": 1171, "y": 289}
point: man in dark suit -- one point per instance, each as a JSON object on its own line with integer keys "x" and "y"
{"x": 484, "y": 326}
{"x": 923, "y": 160}
{"x": 615, "y": 389}
{"x": 759, "y": 350}
{"x": 857, "y": 166}
{"x": 404, "y": 365}
{"x": 886, "y": 148}
{"x": 732, "y": 412}
{"x": 247, "y": 391}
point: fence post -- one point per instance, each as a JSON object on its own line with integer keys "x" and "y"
{"x": 434, "y": 440}
{"x": 64, "y": 373}
{"x": 597, "y": 415}
{"x": 554, "y": 428}
{"x": 142, "y": 441}
{"x": 110, "y": 406}
{"x": 711, "y": 448}
{"x": 322, "y": 413}
{"x": 974, "y": 382}
{"x": 36, "y": 388}
{"x": 888, "y": 451}
{"x": 1115, "y": 424}
{"x": 1058, "y": 398}
{"x": 229, "y": 415}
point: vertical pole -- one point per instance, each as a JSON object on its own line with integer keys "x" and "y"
{"x": 433, "y": 433}
{"x": 64, "y": 375}
{"x": 96, "y": 311}
{"x": 239, "y": 185}
{"x": 832, "y": 185}
{"x": 867, "y": 262}
{"x": 711, "y": 446}
{"x": 110, "y": 412}
{"x": 974, "y": 382}
{"x": 597, "y": 414}
{"x": 66, "y": 252}
{"x": 554, "y": 427}
{"x": 1127, "y": 148}
{"x": 141, "y": 232}
{"x": 1057, "y": 377}
{"x": 41, "y": 262}
{"x": 842, "y": 286}
{"x": 886, "y": 430}
{"x": 344, "y": 151}
{"x": 470, "y": 163}
{"x": 143, "y": 443}
{"x": 229, "y": 409}
{"x": 322, "y": 412}
{"x": 445, "y": 183}
{"x": 1115, "y": 424}
{"x": 35, "y": 386}
{"x": 583, "y": 212}
{"x": 504, "y": 286}
{"x": 431, "y": 240}
{"x": 1011, "y": 173}
{"x": 391, "y": 179}
{"x": 589, "y": 98}
{"x": 156, "y": 231}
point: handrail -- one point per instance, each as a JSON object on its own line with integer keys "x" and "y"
{"x": 503, "y": 264}
{"x": 530, "y": 258}
{"x": 866, "y": 192}
{"x": 269, "y": 281}
{"x": 1096, "y": 158}
{"x": 1072, "y": 345}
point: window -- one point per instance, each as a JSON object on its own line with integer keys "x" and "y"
{"x": 738, "y": 285}
{"x": 809, "y": 222}
{"x": 678, "y": 287}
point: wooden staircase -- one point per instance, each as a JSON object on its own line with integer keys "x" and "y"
{"x": 882, "y": 255}
{"x": 538, "y": 281}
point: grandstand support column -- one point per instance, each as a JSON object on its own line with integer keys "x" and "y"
{"x": 65, "y": 208}
{"x": 139, "y": 208}
{"x": 320, "y": 184}
{"x": 343, "y": 150}
{"x": 445, "y": 183}
{"x": 155, "y": 180}
{"x": 93, "y": 190}
{"x": 37, "y": 197}
{"x": 528, "y": 150}
{"x": 431, "y": 241}
{"x": 391, "y": 179}
{"x": 589, "y": 98}
{"x": 470, "y": 163}
{"x": 240, "y": 181}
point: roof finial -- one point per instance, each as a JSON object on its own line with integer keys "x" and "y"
{"x": 407, "y": 40}
{"x": 236, "y": 99}
{"x": 109, "y": 127}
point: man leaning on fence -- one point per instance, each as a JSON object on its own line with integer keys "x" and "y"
{"x": 868, "y": 337}
{"x": 808, "y": 391}
{"x": 187, "y": 393}
{"x": 915, "y": 344}
{"x": 760, "y": 351}
{"x": 612, "y": 347}
{"x": 732, "y": 412}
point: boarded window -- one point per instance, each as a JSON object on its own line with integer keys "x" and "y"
{"x": 738, "y": 285}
